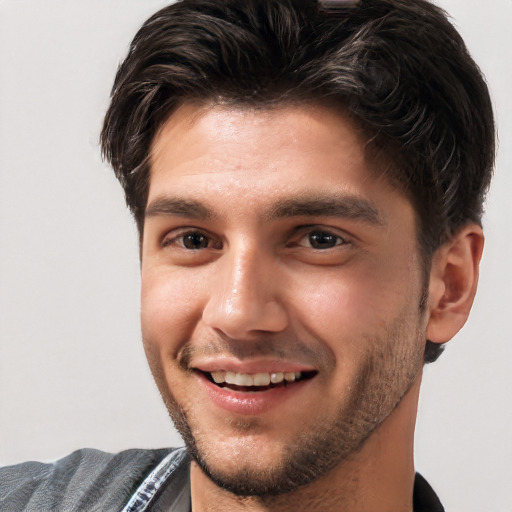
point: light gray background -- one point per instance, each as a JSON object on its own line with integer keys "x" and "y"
{"x": 72, "y": 370}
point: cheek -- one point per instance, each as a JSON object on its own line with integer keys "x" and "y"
{"x": 357, "y": 300}
{"x": 171, "y": 304}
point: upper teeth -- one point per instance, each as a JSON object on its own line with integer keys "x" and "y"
{"x": 254, "y": 379}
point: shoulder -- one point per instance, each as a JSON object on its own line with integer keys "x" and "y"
{"x": 84, "y": 480}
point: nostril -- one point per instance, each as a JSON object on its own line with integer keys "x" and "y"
{"x": 237, "y": 319}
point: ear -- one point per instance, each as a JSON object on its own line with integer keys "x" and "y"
{"x": 453, "y": 283}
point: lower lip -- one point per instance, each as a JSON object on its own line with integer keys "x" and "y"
{"x": 254, "y": 403}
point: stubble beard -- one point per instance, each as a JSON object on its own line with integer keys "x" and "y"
{"x": 387, "y": 371}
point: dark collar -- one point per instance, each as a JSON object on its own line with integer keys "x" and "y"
{"x": 424, "y": 497}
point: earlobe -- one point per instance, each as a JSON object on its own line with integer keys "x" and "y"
{"x": 453, "y": 283}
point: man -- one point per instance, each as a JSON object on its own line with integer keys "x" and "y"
{"x": 307, "y": 180}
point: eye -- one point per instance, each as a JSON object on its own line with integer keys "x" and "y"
{"x": 321, "y": 245}
{"x": 320, "y": 239}
{"x": 192, "y": 241}
{"x": 323, "y": 240}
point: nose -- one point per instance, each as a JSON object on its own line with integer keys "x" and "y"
{"x": 245, "y": 296}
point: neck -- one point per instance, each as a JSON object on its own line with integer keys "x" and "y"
{"x": 380, "y": 476}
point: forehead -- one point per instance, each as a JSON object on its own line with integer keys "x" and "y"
{"x": 265, "y": 154}
{"x": 206, "y": 128}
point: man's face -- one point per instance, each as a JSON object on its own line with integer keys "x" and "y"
{"x": 275, "y": 263}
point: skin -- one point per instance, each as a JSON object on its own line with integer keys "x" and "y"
{"x": 233, "y": 277}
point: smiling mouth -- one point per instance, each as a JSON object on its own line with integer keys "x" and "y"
{"x": 256, "y": 382}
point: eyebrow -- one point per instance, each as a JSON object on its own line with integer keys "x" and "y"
{"x": 340, "y": 206}
{"x": 180, "y": 207}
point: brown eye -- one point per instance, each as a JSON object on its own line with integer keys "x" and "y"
{"x": 323, "y": 240}
{"x": 195, "y": 241}
{"x": 191, "y": 240}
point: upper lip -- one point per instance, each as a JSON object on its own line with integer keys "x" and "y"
{"x": 253, "y": 366}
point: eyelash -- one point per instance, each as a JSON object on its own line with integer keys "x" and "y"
{"x": 189, "y": 232}
{"x": 310, "y": 231}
